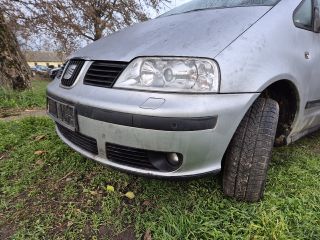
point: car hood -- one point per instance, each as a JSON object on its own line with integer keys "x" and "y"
{"x": 198, "y": 34}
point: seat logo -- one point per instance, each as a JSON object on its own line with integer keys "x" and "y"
{"x": 70, "y": 70}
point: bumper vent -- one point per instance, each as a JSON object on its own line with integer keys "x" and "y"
{"x": 86, "y": 143}
{"x": 71, "y": 73}
{"x": 52, "y": 107}
{"x": 132, "y": 157}
{"x": 104, "y": 73}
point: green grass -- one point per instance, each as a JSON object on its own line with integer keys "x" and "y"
{"x": 61, "y": 195}
{"x": 31, "y": 98}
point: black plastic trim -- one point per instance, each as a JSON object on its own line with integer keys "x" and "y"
{"x": 109, "y": 73}
{"x": 148, "y": 122}
{"x": 84, "y": 142}
{"x": 301, "y": 26}
{"x": 68, "y": 83}
{"x": 140, "y": 158}
{"x": 143, "y": 121}
{"x": 313, "y": 104}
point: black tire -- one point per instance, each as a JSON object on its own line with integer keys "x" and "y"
{"x": 249, "y": 153}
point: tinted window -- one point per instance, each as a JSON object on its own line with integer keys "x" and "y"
{"x": 303, "y": 15}
{"x": 207, "y": 4}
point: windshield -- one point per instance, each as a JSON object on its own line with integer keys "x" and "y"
{"x": 195, "y": 5}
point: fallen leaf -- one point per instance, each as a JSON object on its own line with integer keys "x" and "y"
{"x": 39, "y": 162}
{"x": 69, "y": 179}
{"x": 40, "y": 137}
{"x": 146, "y": 203}
{"x": 110, "y": 188}
{"x": 69, "y": 224}
{"x": 130, "y": 195}
{"x": 147, "y": 235}
{"x": 66, "y": 176}
{"x": 94, "y": 193}
{"x": 39, "y": 152}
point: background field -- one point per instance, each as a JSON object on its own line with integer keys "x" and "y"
{"x": 47, "y": 191}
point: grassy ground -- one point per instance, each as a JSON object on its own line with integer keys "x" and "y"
{"x": 47, "y": 191}
{"x": 13, "y": 101}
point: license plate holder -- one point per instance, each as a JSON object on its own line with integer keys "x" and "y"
{"x": 62, "y": 113}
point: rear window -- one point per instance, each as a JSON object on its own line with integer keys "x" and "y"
{"x": 196, "y": 5}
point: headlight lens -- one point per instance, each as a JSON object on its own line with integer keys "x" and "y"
{"x": 171, "y": 74}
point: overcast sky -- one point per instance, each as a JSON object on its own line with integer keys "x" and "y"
{"x": 174, "y": 3}
{"x": 179, "y": 2}
{"x": 39, "y": 43}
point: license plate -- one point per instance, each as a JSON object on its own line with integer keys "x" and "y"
{"x": 62, "y": 113}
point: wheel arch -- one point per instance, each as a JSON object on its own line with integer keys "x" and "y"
{"x": 286, "y": 93}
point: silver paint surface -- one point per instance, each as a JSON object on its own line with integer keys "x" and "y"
{"x": 197, "y": 34}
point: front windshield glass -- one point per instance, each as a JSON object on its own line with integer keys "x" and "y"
{"x": 196, "y": 5}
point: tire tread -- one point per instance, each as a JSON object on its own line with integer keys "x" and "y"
{"x": 248, "y": 156}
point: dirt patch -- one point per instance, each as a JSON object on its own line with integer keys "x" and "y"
{"x": 10, "y": 115}
{"x": 127, "y": 234}
{"x": 104, "y": 232}
{"x": 316, "y": 150}
{"x": 7, "y": 231}
{"x": 87, "y": 231}
{"x": 33, "y": 206}
{"x": 7, "y": 112}
{"x": 107, "y": 232}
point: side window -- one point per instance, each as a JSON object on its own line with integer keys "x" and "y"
{"x": 302, "y": 16}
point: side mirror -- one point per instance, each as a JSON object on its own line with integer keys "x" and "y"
{"x": 316, "y": 20}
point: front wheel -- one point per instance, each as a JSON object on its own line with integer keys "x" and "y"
{"x": 249, "y": 153}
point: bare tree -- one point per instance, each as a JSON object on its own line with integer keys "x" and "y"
{"x": 70, "y": 23}
{"x": 14, "y": 71}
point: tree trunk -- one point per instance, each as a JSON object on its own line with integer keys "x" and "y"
{"x": 14, "y": 70}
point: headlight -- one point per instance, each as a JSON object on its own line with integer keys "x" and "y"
{"x": 171, "y": 75}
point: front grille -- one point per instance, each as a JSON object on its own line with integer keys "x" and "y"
{"x": 71, "y": 73}
{"x": 87, "y": 143}
{"x": 129, "y": 156}
{"x": 104, "y": 73}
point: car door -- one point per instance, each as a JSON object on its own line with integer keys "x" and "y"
{"x": 314, "y": 97}
{"x": 303, "y": 19}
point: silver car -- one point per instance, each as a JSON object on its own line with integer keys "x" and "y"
{"x": 209, "y": 86}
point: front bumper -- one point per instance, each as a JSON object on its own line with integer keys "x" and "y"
{"x": 202, "y": 150}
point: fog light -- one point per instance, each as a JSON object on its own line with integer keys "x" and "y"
{"x": 174, "y": 159}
